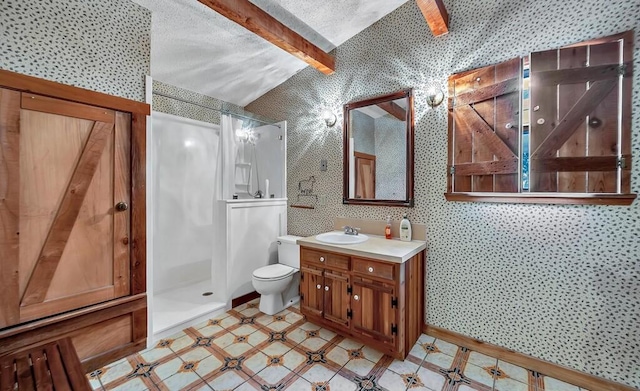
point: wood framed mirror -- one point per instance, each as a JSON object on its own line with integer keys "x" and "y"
{"x": 378, "y": 150}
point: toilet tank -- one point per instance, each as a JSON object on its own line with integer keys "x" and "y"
{"x": 289, "y": 251}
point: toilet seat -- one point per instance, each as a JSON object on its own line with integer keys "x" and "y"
{"x": 273, "y": 272}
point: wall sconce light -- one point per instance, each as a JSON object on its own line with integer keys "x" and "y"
{"x": 435, "y": 96}
{"x": 329, "y": 117}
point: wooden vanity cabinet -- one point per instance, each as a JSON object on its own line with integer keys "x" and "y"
{"x": 324, "y": 283}
{"x": 377, "y": 302}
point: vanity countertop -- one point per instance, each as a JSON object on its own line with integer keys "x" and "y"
{"x": 391, "y": 250}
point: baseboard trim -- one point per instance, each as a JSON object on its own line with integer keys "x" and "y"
{"x": 569, "y": 375}
{"x": 244, "y": 299}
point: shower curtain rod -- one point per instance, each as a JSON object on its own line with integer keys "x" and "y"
{"x": 211, "y": 108}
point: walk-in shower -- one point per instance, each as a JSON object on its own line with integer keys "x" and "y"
{"x": 204, "y": 182}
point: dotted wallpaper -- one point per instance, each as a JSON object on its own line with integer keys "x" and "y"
{"x": 561, "y": 283}
{"x": 98, "y": 45}
{"x": 183, "y": 109}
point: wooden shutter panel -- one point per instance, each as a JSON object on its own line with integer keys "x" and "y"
{"x": 484, "y": 129}
{"x": 580, "y": 117}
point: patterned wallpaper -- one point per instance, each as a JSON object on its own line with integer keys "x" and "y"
{"x": 187, "y": 110}
{"x": 558, "y": 282}
{"x": 99, "y": 45}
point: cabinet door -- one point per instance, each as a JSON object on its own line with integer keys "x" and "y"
{"x": 373, "y": 313}
{"x": 65, "y": 244}
{"x": 311, "y": 290}
{"x": 336, "y": 297}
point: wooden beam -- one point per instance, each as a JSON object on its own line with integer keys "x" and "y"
{"x": 394, "y": 109}
{"x": 492, "y": 91}
{"x": 266, "y": 26}
{"x": 475, "y": 123}
{"x": 508, "y": 166}
{"x": 436, "y": 15}
{"x": 578, "y": 164}
{"x": 581, "y": 75}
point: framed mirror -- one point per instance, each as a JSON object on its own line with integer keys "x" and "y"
{"x": 378, "y": 150}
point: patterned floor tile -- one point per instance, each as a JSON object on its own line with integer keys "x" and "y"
{"x": 195, "y": 355}
{"x": 392, "y": 381}
{"x": 429, "y": 380}
{"x": 256, "y": 363}
{"x": 294, "y": 360}
{"x": 161, "y": 350}
{"x": 439, "y": 359}
{"x": 446, "y": 347}
{"x": 209, "y": 365}
{"x": 94, "y": 381}
{"x": 403, "y": 367}
{"x": 225, "y": 380}
{"x": 115, "y": 371}
{"x": 337, "y": 355}
{"x": 181, "y": 381}
{"x": 317, "y": 373}
{"x": 135, "y": 384}
{"x": 513, "y": 372}
{"x": 361, "y": 367}
{"x": 300, "y": 384}
{"x": 244, "y": 349}
{"x": 181, "y": 343}
{"x": 479, "y": 374}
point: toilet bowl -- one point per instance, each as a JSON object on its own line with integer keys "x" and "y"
{"x": 277, "y": 283}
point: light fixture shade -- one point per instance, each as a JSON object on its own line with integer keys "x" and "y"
{"x": 329, "y": 118}
{"x": 435, "y": 96}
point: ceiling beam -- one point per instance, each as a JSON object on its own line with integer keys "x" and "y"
{"x": 436, "y": 15}
{"x": 394, "y": 109}
{"x": 266, "y": 26}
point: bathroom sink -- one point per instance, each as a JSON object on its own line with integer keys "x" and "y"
{"x": 341, "y": 238}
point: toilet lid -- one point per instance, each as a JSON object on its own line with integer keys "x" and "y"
{"x": 273, "y": 272}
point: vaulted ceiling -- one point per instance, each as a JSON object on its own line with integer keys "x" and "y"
{"x": 196, "y": 48}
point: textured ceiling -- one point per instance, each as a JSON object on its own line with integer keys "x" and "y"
{"x": 195, "y": 48}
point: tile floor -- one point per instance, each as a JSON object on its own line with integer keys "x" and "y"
{"x": 244, "y": 349}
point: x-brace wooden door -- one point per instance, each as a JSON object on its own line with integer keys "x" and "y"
{"x": 66, "y": 183}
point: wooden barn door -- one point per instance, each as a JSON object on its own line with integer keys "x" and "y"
{"x": 484, "y": 129}
{"x": 580, "y": 126}
{"x": 65, "y": 191}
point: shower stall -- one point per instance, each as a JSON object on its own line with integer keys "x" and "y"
{"x": 209, "y": 199}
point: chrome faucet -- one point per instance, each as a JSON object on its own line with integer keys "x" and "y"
{"x": 350, "y": 230}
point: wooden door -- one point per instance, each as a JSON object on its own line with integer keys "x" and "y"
{"x": 580, "y": 126}
{"x": 311, "y": 290}
{"x": 365, "y": 175}
{"x": 64, "y": 244}
{"x": 373, "y": 311}
{"x": 336, "y": 297}
{"x": 484, "y": 129}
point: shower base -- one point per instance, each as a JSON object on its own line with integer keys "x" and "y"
{"x": 177, "y": 309}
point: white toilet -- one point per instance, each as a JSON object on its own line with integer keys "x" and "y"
{"x": 278, "y": 283}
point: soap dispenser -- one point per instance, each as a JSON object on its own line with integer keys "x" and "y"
{"x": 405, "y": 229}
{"x": 387, "y": 229}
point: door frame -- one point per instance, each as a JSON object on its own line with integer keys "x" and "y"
{"x": 139, "y": 112}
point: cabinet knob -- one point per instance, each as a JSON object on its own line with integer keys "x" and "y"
{"x": 370, "y": 269}
{"x": 122, "y": 206}
{"x": 321, "y": 259}
{"x": 356, "y": 297}
{"x": 326, "y": 288}
{"x": 318, "y": 286}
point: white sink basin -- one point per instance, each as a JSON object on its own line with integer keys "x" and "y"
{"x": 341, "y": 238}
